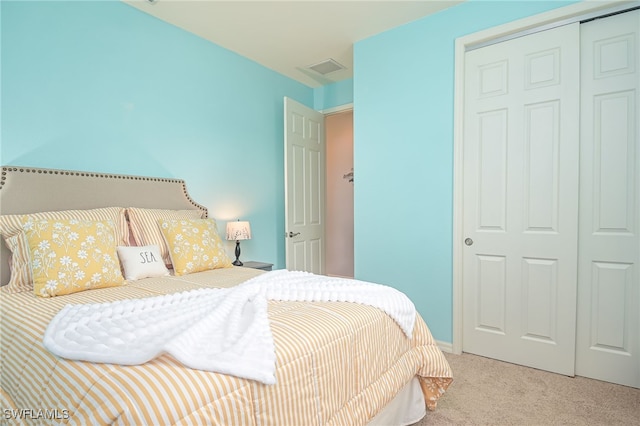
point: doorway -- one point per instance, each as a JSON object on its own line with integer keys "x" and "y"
{"x": 340, "y": 183}
{"x": 306, "y": 178}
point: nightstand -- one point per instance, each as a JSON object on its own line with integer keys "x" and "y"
{"x": 257, "y": 265}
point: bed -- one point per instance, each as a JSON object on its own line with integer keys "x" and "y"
{"x": 336, "y": 362}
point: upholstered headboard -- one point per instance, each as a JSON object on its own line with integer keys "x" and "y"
{"x": 30, "y": 190}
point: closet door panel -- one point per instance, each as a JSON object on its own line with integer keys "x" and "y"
{"x": 521, "y": 199}
{"x": 608, "y": 334}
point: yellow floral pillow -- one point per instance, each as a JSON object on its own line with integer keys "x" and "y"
{"x": 194, "y": 245}
{"x": 68, "y": 256}
{"x": 12, "y": 230}
{"x": 145, "y": 230}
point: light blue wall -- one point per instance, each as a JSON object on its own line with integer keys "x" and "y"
{"x": 333, "y": 95}
{"x": 102, "y": 86}
{"x": 403, "y": 152}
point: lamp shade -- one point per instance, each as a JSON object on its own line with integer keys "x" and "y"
{"x": 240, "y": 230}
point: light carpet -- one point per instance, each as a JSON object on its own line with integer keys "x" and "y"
{"x": 490, "y": 392}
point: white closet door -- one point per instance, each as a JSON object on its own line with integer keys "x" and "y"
{"x": 608, "y": 340}
{"x": 521, "y": 199}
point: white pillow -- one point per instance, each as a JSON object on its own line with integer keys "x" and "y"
{"x": 142, "y": 262}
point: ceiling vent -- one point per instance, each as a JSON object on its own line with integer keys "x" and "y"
{"x": 326, "y": 67}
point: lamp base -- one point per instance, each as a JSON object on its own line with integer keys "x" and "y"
{"x": 237, "y": 261}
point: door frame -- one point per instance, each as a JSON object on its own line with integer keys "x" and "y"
{"x": 337, "y": 109}
{"x": 540, "y": 22}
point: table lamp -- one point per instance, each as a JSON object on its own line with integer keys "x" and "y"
{"x": 240, "y": 230}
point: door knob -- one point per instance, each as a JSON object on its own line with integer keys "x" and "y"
{"x": 293, "y": 234}
{"x": 468, "y": 241}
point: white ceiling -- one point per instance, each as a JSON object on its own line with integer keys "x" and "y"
{"x": 289, "y": 36}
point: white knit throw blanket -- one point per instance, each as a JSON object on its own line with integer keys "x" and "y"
{"x": 220, "y": 330}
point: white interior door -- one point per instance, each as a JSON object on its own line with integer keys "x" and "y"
{"x": 305, "y": 182}
{"x": 521, "y": 199}
{"x": 608, "y": 340}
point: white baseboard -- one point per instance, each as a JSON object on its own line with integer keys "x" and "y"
{"x": 445, "y": 346}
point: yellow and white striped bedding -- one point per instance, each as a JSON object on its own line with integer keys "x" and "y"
{"x": 337, "y": 363}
